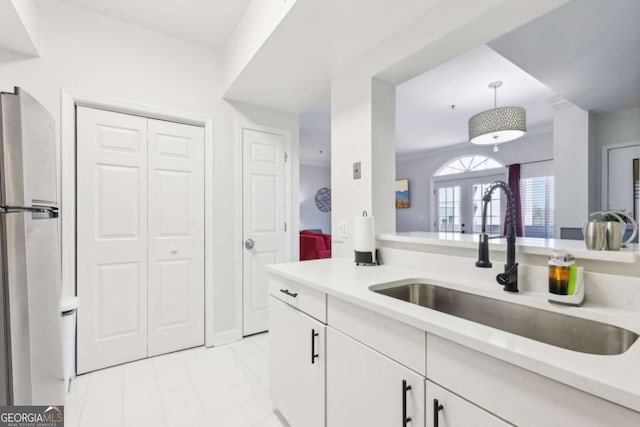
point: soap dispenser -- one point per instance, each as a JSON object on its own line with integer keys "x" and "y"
{"x": 566, "y": 284}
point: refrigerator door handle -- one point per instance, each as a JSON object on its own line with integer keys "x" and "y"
{"x": 38, "y": 212}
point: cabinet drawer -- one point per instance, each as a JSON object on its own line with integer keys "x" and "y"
{"x": 516, "y": 395}
{"x": 400, "y": 342}
{"x": 455, "y": 412}
{"x": 305, "y": 299}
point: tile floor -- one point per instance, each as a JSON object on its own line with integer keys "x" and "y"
{"x": 220, "y": 386}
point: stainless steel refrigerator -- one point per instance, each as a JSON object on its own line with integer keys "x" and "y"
{"x": 31, "y": 370}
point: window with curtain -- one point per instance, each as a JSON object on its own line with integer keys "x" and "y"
{"x": 537, "y": 206}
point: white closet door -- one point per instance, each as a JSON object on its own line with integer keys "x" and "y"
{"x": 111, "y": 238}
{"x": 263, "y": 221}
{"x": 176, "y": 236}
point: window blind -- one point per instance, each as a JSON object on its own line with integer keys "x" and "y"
{"x": 537, "y": 206}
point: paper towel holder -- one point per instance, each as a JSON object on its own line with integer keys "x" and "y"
{"x": 366, "y": 256}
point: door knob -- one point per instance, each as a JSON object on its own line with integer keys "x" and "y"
{"x": 174, "y": 250}
{"x": 249, "y": 244}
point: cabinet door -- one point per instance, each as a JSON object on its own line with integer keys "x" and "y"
{"x": 445, "y": 409}
{"x": 365, "y": 388}
{"x": 296, "y": 365}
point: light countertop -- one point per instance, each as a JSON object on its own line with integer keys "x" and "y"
{"x": 533, "y": 246}
{"x": 615, "y": 378}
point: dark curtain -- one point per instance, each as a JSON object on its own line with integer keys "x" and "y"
{"x": 514, "y": 184}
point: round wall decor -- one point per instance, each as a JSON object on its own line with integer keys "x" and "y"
{"x": 323, "y": 199}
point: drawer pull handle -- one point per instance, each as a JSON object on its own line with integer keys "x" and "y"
{"x": 405, "y": 389}
{"x": 437, "y": 407}
{"x": 314, "y": 334}
{"x": 288, "y": 292}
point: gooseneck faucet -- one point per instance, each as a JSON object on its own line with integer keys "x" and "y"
{"x": 508, "y": 279}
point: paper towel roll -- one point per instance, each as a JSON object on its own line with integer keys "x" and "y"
{"x": 364, "y": 234}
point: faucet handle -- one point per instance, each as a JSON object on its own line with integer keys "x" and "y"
{"x": 509, "y": 279}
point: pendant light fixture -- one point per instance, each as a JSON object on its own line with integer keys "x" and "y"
{"x": 497, "y": 125}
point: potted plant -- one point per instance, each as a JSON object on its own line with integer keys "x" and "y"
{"x": 616, "y": 215}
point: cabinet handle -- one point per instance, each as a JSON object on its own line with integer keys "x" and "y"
{"x": 314, "y": 334}
{"x": 288, "y": 292}
{"x": 405, "y": 389}
{"x": 437, "y": 407}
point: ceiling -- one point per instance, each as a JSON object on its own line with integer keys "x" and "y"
{"x": 205, "y": 22}
{"x": 425, "y": 119}
{"x": 586, "y": 51}
{"x": 317, "y": 39}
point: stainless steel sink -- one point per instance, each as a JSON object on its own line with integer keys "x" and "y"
{"x": 572, "y": 333}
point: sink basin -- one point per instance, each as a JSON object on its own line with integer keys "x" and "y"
{"x": 561, "y": 330}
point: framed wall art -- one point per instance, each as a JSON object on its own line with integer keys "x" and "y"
{"x": 402, "y": 194}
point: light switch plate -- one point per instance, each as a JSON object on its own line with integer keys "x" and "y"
{"x": 343, "y": 231}
{"x": 357, "y": 171}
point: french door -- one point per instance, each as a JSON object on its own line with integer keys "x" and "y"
{"x": 458, "y": 205}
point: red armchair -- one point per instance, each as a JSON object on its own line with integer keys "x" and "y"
{"x": 314, "y": 245}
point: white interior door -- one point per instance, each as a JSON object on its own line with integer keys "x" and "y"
{"x": 176, "y": 236}
{"x": 619, "y": 190}
{"x": 112, "y": 238}
{"x": 263, "y": 219}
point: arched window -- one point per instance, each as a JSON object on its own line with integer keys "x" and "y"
{"x": 467, "y": 164}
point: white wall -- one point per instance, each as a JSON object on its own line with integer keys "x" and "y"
{"x": 18, "y": 28}
{"x": 618, "y": 127}
{"x": 89, "y": 53}
{"x": 313, "y": 178}
{"x": 362, "y": 126}
{"x": 571, "y": 144}
{"x": 256, "y": 25}
{"x": 419, "y": 169}
{"x": 28, "y": 11}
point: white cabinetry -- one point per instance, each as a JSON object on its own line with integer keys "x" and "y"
{"x": 516, "y": 395}
{"x": 445, "y": 409}
{"x": 365, "y": 388}
{"x": 296, "y": 365}
{"x": 380, "y": 372}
